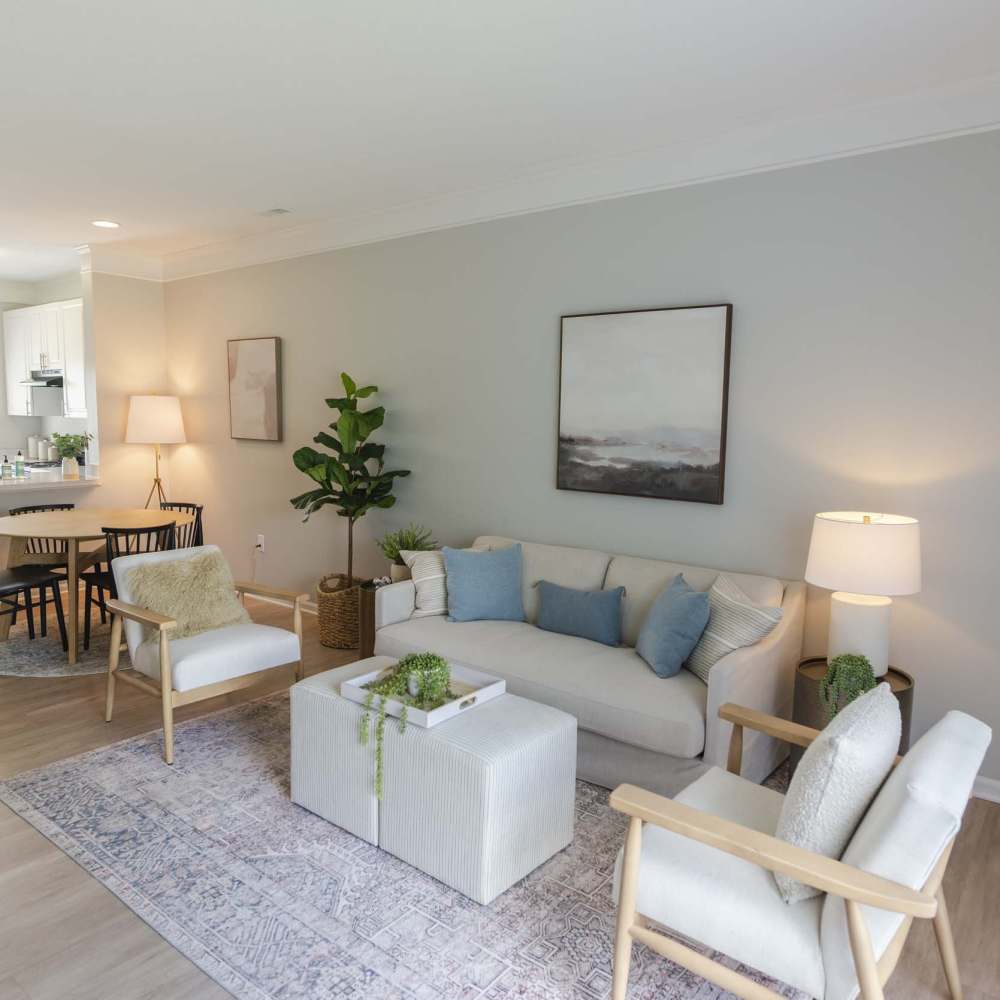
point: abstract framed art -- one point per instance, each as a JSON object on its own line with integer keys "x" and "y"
{"x": 255, "y": 388}
{"x": 643, "y": 400}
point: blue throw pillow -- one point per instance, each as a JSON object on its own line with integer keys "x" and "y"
{"x": 484, "y": 585}
{"x": 590, "y": 614}
{"x": 673, "y": 627}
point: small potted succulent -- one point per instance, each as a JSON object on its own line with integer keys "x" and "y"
{"x": 412, "y": 538}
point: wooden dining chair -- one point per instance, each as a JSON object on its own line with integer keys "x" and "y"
{"x": 49, "y": 553}
{"x": 16, "y": 586}
{"x": 188, "y": 535}
{"x": 100, "y": 582}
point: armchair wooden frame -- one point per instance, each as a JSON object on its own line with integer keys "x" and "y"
{"x": 854, "y": 886}
{"x": 169, "y": 698}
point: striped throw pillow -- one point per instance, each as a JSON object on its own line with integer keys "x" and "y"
{"x": 734, "y": 621}
{"x": 427, "y": 572}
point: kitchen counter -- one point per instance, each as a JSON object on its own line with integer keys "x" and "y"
{"x": 44, "y": 480}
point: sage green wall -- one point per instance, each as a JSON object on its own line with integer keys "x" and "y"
{"x": 864, "y": 375}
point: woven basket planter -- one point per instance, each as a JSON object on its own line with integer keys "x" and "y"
{"x": 337, "y": 611}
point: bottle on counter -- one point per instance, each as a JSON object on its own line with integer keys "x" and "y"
{"x": 19, "y": 465}
{"x": 33, "y": 446}
{"x": 6, "y": 472}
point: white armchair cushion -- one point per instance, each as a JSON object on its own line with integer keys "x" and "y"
{"x": 904, "y": 833}
{"x": 836, "y": 780}
{"x": 219, "y": 655}
{"x": 724, "y": 902}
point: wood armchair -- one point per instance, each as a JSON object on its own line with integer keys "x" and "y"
{"x": 253, "y": 654}
{"x": 854, "y": 886}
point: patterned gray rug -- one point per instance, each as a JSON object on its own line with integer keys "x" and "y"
{"x": 44, "y": 657}
{"x": 276, "y": 904}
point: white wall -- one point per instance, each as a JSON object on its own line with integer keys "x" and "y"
{"x": 864, "y": 375}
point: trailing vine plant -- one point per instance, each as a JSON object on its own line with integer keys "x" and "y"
{"x": 419, "y": 680}
{"x": 848, "y": 676}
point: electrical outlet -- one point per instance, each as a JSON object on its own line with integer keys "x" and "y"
{"x": 260, "y": 543}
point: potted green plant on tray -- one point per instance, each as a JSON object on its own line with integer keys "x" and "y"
{"x": 412, "y": 538}
{"x": 418, "y": 680}
{"x": 353, "y": 480}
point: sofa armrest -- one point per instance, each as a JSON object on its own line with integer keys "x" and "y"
{"x": 394, "y": 603}
{"x": 762, "y": 677}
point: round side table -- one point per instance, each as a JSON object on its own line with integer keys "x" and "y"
{"x": 811, "y": 711}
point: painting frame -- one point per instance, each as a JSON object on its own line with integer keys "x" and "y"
{"x": 274, "y": 369}
{"x": 717, "y": 496}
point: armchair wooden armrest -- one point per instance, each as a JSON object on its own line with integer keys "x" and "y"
{"x": 770, "y": 725}
{"x": 262, "y": 590}
{"x": 773, "y": 854}
{"x": 143, "y": 615}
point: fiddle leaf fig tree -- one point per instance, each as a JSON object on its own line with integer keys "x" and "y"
{"x": 353, "y": 479}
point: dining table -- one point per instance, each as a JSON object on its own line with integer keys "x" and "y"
{"x": 74, "y": 528}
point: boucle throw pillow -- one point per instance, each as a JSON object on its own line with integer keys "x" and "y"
{"x": 198, "y": 593}
{"x": 837, "y": 779}
{"x": 427, "y": 573}
{"x": 733, "y": 621}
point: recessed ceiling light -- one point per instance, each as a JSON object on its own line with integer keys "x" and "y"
{"x": 104, "y": 224}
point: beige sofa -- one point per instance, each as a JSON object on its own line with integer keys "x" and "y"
{"x": 634, "y": 725}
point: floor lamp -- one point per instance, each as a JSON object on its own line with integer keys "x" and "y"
{"x": 155, "y": 420}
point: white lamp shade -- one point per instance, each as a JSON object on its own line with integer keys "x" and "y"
{"x": 154, "y": 420}
{"x": 865, "y": 553}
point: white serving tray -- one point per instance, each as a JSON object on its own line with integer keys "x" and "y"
{"x": 472, "y": 687}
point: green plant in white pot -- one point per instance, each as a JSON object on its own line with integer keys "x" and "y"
{"x": 412, "y": 538}
{"x": 71, "y": 448}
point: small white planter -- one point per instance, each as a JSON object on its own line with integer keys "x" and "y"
{"x": 70, "y": 468}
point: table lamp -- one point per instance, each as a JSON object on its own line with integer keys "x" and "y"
{"x": 155, "y": 420}
{"x": 867, "y": 559}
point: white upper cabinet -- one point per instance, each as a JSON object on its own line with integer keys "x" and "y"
{"x": 17, "y": 324}
{"x": 46, "y": 336}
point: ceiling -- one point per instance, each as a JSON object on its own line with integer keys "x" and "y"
{"x": 185, "y": 121}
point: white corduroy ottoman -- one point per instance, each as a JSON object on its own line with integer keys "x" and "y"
{"x": 477, "y": 802}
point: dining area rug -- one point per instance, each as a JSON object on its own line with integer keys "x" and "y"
{"x": 274, "y": 903}
{"x": 44, "y": 656}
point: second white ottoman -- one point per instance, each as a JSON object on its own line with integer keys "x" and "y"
{"x": 480, "y": 801}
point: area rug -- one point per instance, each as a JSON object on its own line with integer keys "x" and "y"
{"x": 276, "y": 904}
{"x": 45, "y": 657}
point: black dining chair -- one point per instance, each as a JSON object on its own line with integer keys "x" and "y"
{"x": 121, "y": 542}
{"x": 54, "y": 552}
{"x": 16, "y": 586}
{"x": 188, "y": 535}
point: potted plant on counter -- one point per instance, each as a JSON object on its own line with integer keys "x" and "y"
{"x": 72, "y": 450}
{"x": 412, "y": 538}
{"x": 352, "y": 479}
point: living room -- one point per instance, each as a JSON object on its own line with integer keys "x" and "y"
{"x": 536, "y": 232}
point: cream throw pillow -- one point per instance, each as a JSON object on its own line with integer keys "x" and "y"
{"x": 837, "y": 779}
{"x": 197, "y": 592}
{"x": 733, "y": 621}
{"x": 427, "y": 572}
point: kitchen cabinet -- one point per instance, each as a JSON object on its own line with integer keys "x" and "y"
{"x": 45, "y": 336}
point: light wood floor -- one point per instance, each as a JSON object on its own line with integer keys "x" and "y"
{"x": 63, "y": 936}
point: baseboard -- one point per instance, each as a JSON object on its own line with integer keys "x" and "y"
{"x": 987, "y": 788}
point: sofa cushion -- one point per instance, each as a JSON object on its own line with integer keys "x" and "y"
{"x": 644, "y": 580}
{"x": 908, "y": 826}
{"x": 673, "y": 627}
{"x": 219, "y": 655}
{"x": 609, "y": 689}
{"x": 589, "y": 614}
{"x": 484, "y": 585}
{"x": 569, "y": 567}
{"x": 428, "y": 575}
{"x": 725, "y": 902}
{"x": 836, "y": 780}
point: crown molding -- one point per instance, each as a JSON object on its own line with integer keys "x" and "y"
{"x": 973, "y": 106}
{"x": 103, "y": 258}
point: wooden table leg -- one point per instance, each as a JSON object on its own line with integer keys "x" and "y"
{"x": 73, "y": 594}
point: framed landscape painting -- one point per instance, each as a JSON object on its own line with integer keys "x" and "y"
{"x": 255, "y": 388}
{"x": 642, "y": 402}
